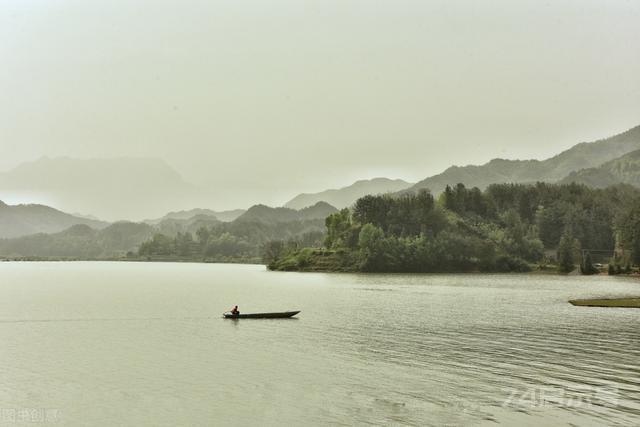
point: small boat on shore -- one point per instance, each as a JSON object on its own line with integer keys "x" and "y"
{"x": 280, "y": 315}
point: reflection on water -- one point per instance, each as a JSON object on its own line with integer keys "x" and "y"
{"x": 145, "y": 344}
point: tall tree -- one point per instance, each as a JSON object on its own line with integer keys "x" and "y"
{"x": 566, "y": 249}
{"x": 586, "y": 266}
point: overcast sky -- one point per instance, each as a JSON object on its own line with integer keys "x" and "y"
{"x": 271, "y": 98}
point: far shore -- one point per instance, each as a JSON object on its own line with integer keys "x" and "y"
{"x": 134, "y": 259}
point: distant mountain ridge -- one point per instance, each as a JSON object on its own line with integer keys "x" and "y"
{"x": 22, "y": 220}
{"x": 269, "y": 215}
{"x": 553, "y": 169}
{"x": 111, "y": 188}
{"x": 80, "y": 241}
{"x": 224, "y": 216}
{"x": 346, "y": 196}
{"x": 134, "y": 188}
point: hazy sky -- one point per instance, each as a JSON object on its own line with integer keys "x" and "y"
{"x": 271, "y": 98}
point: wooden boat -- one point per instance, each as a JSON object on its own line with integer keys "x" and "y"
{"x": 281, "y": 315}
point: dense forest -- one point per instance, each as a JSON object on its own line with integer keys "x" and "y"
{"x": 507, "y": 227}
{"x": 238, "y": 241}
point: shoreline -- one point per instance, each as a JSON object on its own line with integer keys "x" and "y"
{"x": 549, "y": 271}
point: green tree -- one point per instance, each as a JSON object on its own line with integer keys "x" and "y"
{"x": 158, "y": 245}
{"x": 586, "y": 266}
{"x": 202, "y": 234}
{"x": 272, "y": 251}
{"x": 566, "y": 248}
{"x": 340, "y": 230}
{"x": 184, "y": 244}
{"x": 371, "y": 242}
{"x": 551, "y": 223}
{"x": 373, "y": 210}
{"x": 635, "y": 248}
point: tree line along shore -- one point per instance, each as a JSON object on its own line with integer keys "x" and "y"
{"x": 505, "y": 228}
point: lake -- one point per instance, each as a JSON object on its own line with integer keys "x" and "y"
{"x": 107, "y": 343}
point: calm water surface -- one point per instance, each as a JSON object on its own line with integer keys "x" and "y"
{"x": 136, "y": 344}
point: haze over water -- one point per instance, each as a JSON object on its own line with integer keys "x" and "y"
{"x": 99, "y": 343}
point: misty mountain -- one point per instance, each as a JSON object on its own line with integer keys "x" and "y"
{"x": 580, "y": 156}
{"x": 21, "y": 220}
{"x": 224, "y": 216}
{"x": 80, "y": 241}
{"x": 115, "y": 188}
{"x": 173, "y": 226}
{"x": 228, "y": 215}
{"x": 346, "y": 196}
{"x": 623, "y": 170}
{"x": 320, "y": 210}
{"x": 269, "y": 215}
{"x": 248, "y": 232}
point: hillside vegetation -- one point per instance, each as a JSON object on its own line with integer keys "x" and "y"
{"x": 508, "y": 227}
{"x": 623, "y": 170}
{"x": 198, "y": 238}
{"x": 245, "y": 238}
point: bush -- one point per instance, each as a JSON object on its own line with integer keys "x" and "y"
{"x": 586, "y": 266}
{"x": 506, "y": 264}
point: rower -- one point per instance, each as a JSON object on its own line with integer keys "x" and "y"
{"x": 235, "y": 311}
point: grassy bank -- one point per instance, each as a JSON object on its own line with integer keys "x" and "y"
{"x": 608, "y": 302}
{"x": 311, "y": 259}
